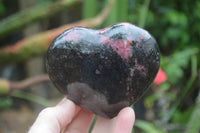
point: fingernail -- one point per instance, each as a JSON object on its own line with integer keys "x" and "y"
{"x": 62, "y": 101}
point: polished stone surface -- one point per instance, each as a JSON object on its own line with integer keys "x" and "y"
{"x": 103, "y": 70}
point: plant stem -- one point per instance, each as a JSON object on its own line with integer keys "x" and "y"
{"x": 28, "y": 82}
{"x": 31, "y": 97}
{"x": 93, "y": 123}
{"x": 90, "y": 9}
{"x": 119, "y": 12}
{"x": 4, "y": 87}
{"x": 143, "y": 13}
{"x": 122, "y": 10}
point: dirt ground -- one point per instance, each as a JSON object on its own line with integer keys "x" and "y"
{"x": 16, "y": 120}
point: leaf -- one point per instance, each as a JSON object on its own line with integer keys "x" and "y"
{"x": 182, "y": 58}
{"x": 174, "y": 72}
{"x": 174, "y": 64}
{"x": 182, "y": 117}
{"x": 175, "y": 17}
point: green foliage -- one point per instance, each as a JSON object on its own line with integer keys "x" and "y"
{"x": 176, "y": 18}
{"x": 149, "y": 100}
{"x": 119, "y": 12}
{"x": 148, "y": 127}
{"x": 90, "y": 8}
{"x": 177, "y": 21}
{"x": 5, "y": 102}
{"x": 193, "y": 125}
{"x": 182, "y": 117}
{"x": 143, "y": 13}
{"x": 175, "y": 25}
{"x": 31, "y": 97}
{"x": 2, "y": 8}
{"x": 185, "y": 90}
{"x": 122, "y": 10}
{"x": 174, "y": 64}
{"x": 25, "y": 17}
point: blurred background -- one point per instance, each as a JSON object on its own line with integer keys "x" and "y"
{"x": 28, "y": 26}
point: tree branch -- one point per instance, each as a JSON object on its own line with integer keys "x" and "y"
{"x": 28, "y": 82}
{"x": 23, "y": 18}
{"x": 38, "y": 44}
{"x": 7, "y": 86}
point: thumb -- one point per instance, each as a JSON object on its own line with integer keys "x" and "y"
{"x": 54, "y": 119}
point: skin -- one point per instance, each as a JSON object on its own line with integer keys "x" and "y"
{"x": 66, "y": 117}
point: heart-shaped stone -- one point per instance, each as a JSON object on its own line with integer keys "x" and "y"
{"x": 103, "y": 70}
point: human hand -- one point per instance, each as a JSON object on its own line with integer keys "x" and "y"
{"x": 66, "y": 117}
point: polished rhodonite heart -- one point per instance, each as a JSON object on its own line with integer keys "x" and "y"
{"x": 103, "y": 70}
